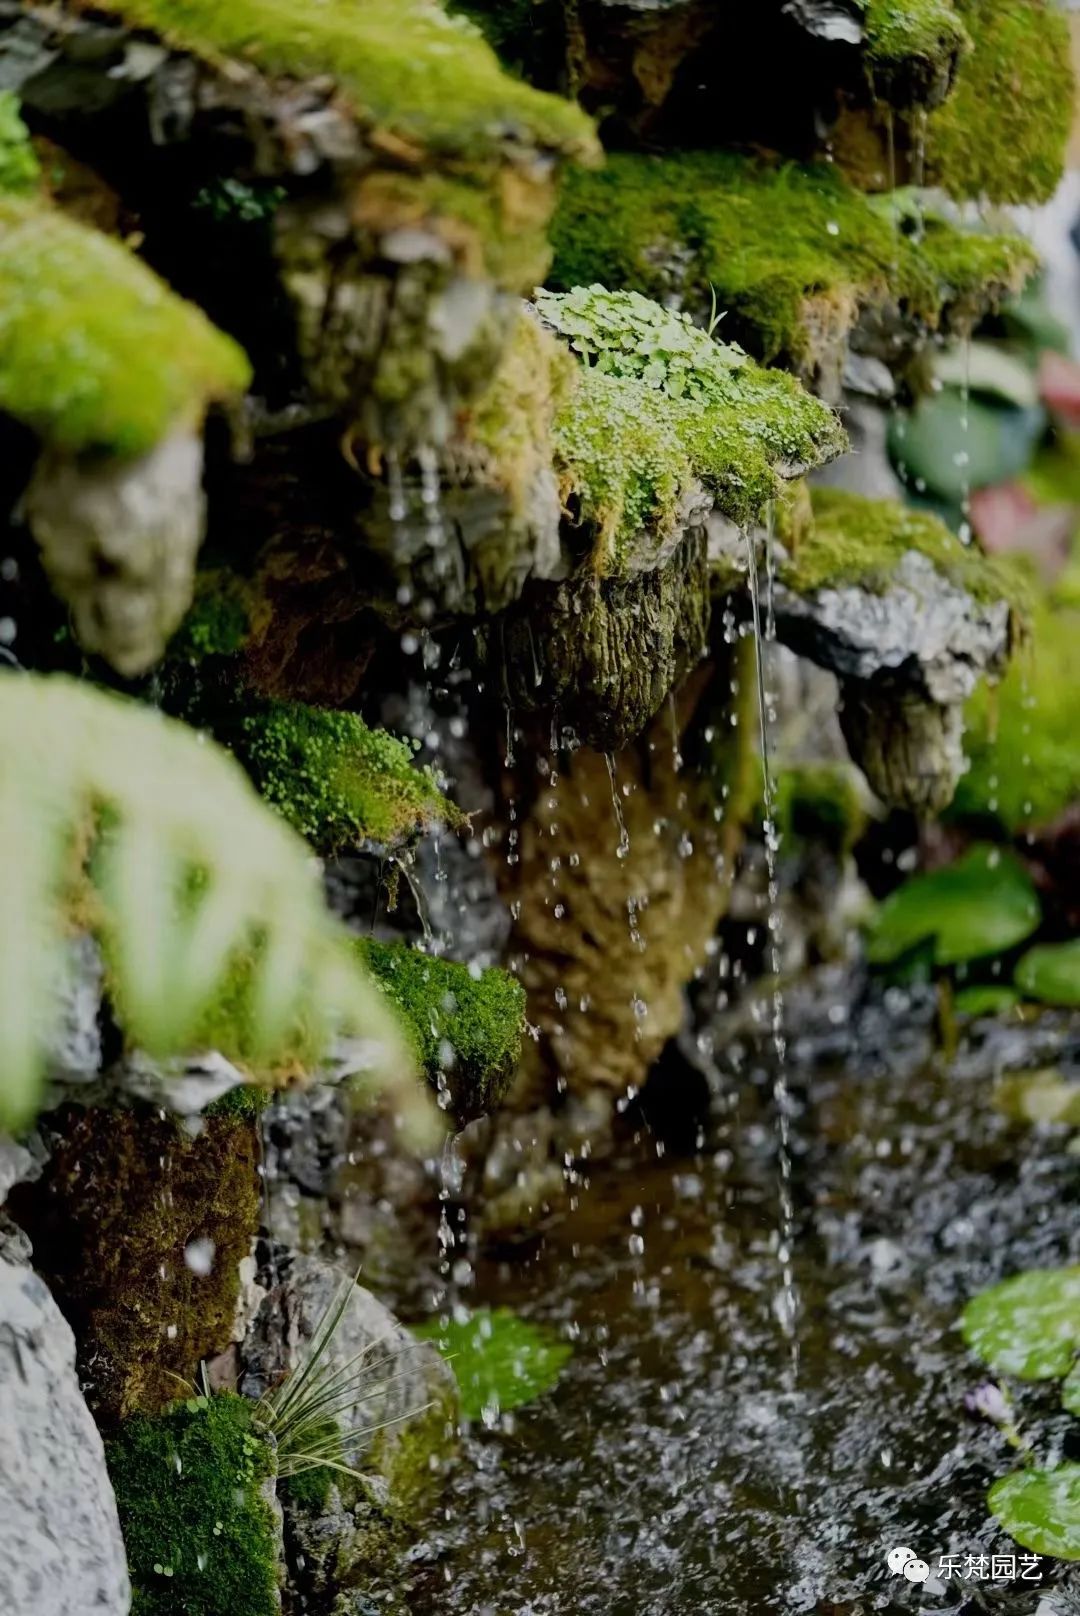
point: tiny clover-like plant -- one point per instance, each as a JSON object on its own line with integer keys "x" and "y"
{"x": 1029, "y": 1327}
{"x": 500, "y": 1361}
{"x": 982, "y": 904}
{"x": 625, "y": 334}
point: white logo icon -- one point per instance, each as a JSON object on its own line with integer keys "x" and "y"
{"x": 907, "y": 1562}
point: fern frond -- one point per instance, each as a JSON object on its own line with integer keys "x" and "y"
{"x": 190, "y": 873}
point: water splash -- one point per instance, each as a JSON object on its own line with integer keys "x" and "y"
{"x": 787, "y": 1302}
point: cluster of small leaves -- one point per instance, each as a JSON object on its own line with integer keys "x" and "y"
{"x": 625, "y": 334}
{"x": 233, "y": 200}
{"x": 1028, "y": 1327}
{"x": 500, "y": 1361}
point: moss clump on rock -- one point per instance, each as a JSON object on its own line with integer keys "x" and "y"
{"x": 659, "y": 407}
{"x": 1002, "y": 132}
{"x": 820, "y": 803}
{"x": 200, "y": 1532}
{"x": 406, "y": 66}
{"x": 859, "y": 541}
{"x": 96, "y": 354}
{"x": 466, "y": 1026}
{"x": 19, "y": 167}
{"x": 1022, "y": 739}
{"x": 336, "y": 781}
{"x": 914, "y": 43}
{"x": 124, "y": 1195}
{"x": 218, "y": 621}
{"x": 794, "y": 254}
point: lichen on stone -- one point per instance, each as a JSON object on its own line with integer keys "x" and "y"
{"x": 466, "y": 1026}
{"x": 1001, "y": 134}
{"x": 794, "y": 255}
{"x": 96, "y": 354}
{"x": 659, "y": 408}
{"x": 336, "y": 781}
{"x": 191, "y": 1488}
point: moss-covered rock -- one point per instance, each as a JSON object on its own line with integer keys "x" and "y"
{"x": 335, "y": 780}
{"x": 122, "y": 1199}
{"x": 796, "y": 256}
{"x": 820, "y": 803}
{"x": 913, "y": 47}
{"x": 466, "y": 1026}
{"x": 663, "y": 418}
{"x": 19, "y": 166}
{"x": 96, "y": 354}
{"x": 194, "y": 1488}
{"x": 1002, "y": 132}
{"x": 855, "y": 541}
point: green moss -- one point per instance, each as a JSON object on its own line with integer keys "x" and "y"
{"x": 822, "y": 803}
{"x": 200, "y": 1537}
{"x": 466, "y": 1028}
{"x": 855, "y": 540}
{"x": 123, "y": 1196}
{"x": 900, "y": 31}
{"x": 231, "y": 1025}
{"x": 19, "y": 167}
{"x": 335, "y": 780}
{"x": 406, "y": 66}
{"x": 792, "y": 253}
{"x": 219, "y": 620}
{"x": 626, "y": 448}
{"x": 1002, "y": 132}
{"x": 246, "y": 1101}
{"x": 95, "y": 352}
{"x": 1022, "y": 738}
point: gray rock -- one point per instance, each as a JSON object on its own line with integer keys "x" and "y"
{"x": 74, "y": 1047}
{"x": 61, "y": 1551}
{"x": 399, "y": 1432}
{"x": 184, "y": 1085}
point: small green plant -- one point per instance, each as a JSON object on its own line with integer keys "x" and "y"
{"x": 148, "y": 834}
{"x": 500, "y": 1361}
{"x": 625, "y": 334}
{"x": 19, "y": 168}
{"x": 1028, "y": 1327}
{"x": 304, "y": 1413}
{"x": 981, "y": 905}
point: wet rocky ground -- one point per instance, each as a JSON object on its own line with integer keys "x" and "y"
{"x": 685, "y": 1464}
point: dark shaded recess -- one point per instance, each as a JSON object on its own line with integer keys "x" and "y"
{"x": 528, "y": 36}
{"x": 747, "y": 74}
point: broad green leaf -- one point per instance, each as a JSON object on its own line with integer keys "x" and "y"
{"x": 1041, "y": 1509}
{"x": 982, "y": 904}
{"x": 1042, "y": 1096}
{"x": 987, "y": 367}
{"x": 1028, "y": 1326}
{"x": 952, "y": 445}
{"x": 986, "y": 999}
{"x": 1051, "y": 972}
{"x": 500, "y": 1360}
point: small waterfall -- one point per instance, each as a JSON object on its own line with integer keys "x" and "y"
{"x": 623, "y": 848}
{"x": 788, "y": 1299}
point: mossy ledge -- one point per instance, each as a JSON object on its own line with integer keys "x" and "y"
{"x": 855, "y": 541}
{"x": 406, "y": 66}
{"x": 336, "y": 781}
{"x": 466, "y": 1026}
{"x": 794, "y": 255}
{"x": 658, "y": 409}
{"x": 200, "y": 1532}
{"x": 96, "y": 354}
{"x": 912, "y": 48}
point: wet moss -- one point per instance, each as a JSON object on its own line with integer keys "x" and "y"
{"x": 218, "y": 621}
{"x": 820, "y": 803}
{"x": 1022, "y": 738}
{"x": 123, "y": 1196}
{"x": 336, "y": 781}
{"x": 199, "y": 1532}
{"x": 508, "y": 429}
{"x": 1002, "y": 132}
{"x": 627, "y": 451}
{"x": 19, "y": 166}
{"x": 95, "y": 352}
{"x": 793, "y": 254}
{"x": 899, "y": 32}
{"x": 466, "y": 1027}
{"x": 860, "y": 541}
{"x": 406, "y": 65}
